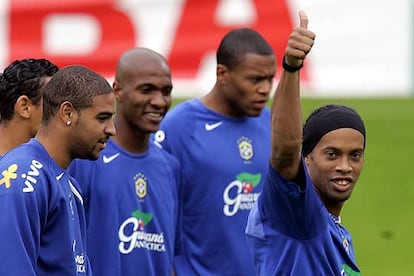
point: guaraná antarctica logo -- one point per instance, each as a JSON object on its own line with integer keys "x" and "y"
{"x": 132, "y": 234}
{"x": 238, "y": 195}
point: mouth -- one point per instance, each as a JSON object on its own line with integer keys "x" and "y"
{"x": 259, "y": 104}
{"x": 102, "y": 144}
{"x": 154, "y": 116}
{"x": 342, "y": 184}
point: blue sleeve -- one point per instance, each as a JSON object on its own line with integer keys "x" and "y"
{"x": 295, "y": 212}
{"x": 24, "y": 204}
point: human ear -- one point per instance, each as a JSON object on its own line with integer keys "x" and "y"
{"x": 222, "y": 73}
{"x": 117, "y": 89}
{"x": 67, "y": 113}
{"x": 22, "y": 107}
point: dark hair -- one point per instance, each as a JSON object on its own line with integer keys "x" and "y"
{"x": 237, "y": 43}
{"x": 23, "y": 77}
{"x": 76, "y": 84}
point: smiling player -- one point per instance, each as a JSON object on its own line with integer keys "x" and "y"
{"x": 131, "y": 191}
{"x": 295, "y": 228}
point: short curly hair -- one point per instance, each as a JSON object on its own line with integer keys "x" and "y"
{"x": 76, "y": 84}
{"x": 23, "y": 77}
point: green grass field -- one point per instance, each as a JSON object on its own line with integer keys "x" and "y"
{"x": 379, "y": 212}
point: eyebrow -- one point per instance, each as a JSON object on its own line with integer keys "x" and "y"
{"x": 105, "y": 113}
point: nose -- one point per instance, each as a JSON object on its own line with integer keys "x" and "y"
{"x": 110, "y": 128}
{"x": 266, "y": 86}
{"x": 344, "y": 165}
{"x": 159, "y": 100}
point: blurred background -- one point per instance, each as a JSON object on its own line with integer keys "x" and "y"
{"x": 363, "y": 48}
{"x": 363, "y": 57}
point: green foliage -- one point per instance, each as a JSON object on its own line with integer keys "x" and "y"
{"x": 379, "y": 212}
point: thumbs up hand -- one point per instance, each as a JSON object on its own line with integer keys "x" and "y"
{"x": 299, "y": 44}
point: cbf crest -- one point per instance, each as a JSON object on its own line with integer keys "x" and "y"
{"x": 140, "y": 185}
{"x": 245, "y": 148}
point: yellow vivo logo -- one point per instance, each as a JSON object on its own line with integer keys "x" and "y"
{"x": 8, "y": 175}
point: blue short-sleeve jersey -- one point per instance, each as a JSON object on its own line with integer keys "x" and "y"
{"x": 42, "y": 222}
{"x": 132, "y": 208}
{"x": 290, "y": 232}
{"x": 224, "y": 161}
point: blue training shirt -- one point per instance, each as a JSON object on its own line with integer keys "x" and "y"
{"x": 42, "y": 221}
{"x": 290, "y": 232}
{"x": 132, "y": 210}
{"x": 224, "y": 161}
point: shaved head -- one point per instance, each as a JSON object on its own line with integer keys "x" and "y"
{"x": 135, "y": 60}
{"x": 142, "y": 90}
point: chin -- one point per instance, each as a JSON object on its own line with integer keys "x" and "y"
{"x": 90, "y": 156}
{"x": 254, "y": 113}
{"x": 93, "y": 157}
{"x": 151, "y": 129}
{"x": 343, "y": 198}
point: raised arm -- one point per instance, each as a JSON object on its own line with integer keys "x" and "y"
{"x": 286, "y": 106}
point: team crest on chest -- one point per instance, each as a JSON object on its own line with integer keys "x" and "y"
{"x": 140, "y": 185}
{"x": 245, "y": 148}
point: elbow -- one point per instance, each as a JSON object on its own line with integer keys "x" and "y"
{"x": 286, "y": 160}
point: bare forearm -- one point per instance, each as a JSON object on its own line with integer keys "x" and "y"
{"x": 286, "y": 125}
{"x": 286, "y": 106}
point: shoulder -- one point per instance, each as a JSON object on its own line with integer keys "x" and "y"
{"x": 81, "y": 164}
{"x": 178, "y": 124}
{"x": 264, "y": 117}
{"x": 23, "y": 169}
{"x": 182, "y": 112}
{"x": 265, "y": 113}
{"x": 164, "y": 156}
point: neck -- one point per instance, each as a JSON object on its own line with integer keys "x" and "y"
{"x": 130, "y": 139}
{"x": 58, "y": 151}
{"x": 216, "y": 101}
{"x": 12, "y": 135}
{"x": 334, "y": 209}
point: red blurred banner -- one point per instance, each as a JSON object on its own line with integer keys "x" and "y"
{"x": 198, "y": 31}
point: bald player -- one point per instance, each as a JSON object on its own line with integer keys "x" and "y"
{"x": 131, "y": 191}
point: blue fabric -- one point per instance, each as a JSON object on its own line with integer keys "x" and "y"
{"x": 132, "y": 210}
{"x": 42, "y": 222}
{"x": 290, "y": 232}
{"x": 224, "y": 161}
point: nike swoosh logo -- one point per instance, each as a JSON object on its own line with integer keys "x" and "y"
{"x": 108, "y": 159}
{"x": 60, "y": 176}
{"x": 210, "y": 127}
